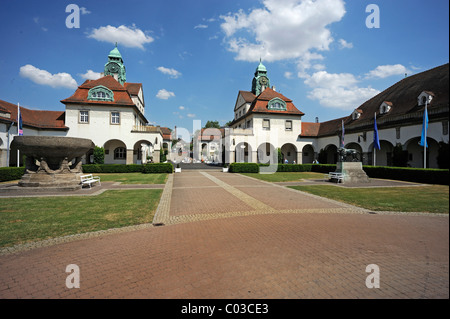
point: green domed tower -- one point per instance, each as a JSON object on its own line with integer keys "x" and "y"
{"x": 115, "y": 66}
{"x": 260, "y": 80}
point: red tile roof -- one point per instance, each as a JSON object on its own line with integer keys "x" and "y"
{"x": 35, "y": 118}
{"x": 260, "y": 104}
{"x": 121, "y": 95}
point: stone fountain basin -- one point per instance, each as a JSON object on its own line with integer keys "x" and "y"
{"x": 53, "y": 148}
{"x": 49, "y": 161}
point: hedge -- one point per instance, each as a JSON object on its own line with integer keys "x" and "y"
{"x": 409, "y": 174}
{"x": 157, "y": 168}
{"x": 244, "y": 168}
{"x": 130, "y": 168}
{"x": 11, "y": 173}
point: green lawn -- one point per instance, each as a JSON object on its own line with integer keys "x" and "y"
{"x": 30, "y": 219}
{"x": 285, "y": 176}
{"x": 134, "y": 178}
{"x": 432, "y": 199}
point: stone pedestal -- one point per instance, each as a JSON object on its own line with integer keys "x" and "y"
{"x": 353, "y": 172}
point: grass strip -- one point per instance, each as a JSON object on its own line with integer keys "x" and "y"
{"x": 30, "y": 219}
{"x": 428, "y": 199}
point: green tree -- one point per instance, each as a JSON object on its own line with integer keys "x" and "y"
{"x": 99, "y": 155}
{"x": 212, "y": 124}
{"x": 280, "y": 156}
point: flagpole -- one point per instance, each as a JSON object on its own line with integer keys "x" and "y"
{"x": 374, "y": 148}
{"x": 425, "y": 139}
{"x": 18, "y": 128}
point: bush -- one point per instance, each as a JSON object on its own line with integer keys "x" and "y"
{"x": 409, "y": 174}
{"x": 99, "y": 155}
{"x": 244, "y": 168}
{"x": 11, "y": 173}
{"x": 112, "y": 168}
{"x": 157, "y": 168}
{"x": 130, "y": 168}
{"x": 294, "y": 168}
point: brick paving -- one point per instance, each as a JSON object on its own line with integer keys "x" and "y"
{"x": 230, "y": 236}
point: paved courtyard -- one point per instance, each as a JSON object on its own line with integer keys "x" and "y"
{"x": 230, "y": 236}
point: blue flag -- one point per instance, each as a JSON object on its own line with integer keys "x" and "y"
{"x": 423, "y": 138}
{"x": 376, "y": 141}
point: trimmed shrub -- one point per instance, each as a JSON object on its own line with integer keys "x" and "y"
{"x": 11, "y": 173}
{"x": 244, "y": 168}
{"x": 111, "y": 168}
{"x": 323, "y": 168}
{"x": 409, "y": 174}
{"x": 157, "y": 168}
{"x": 294, "y": 168}
{"x": 99, "y": 155}
{"x": 130, "y": 168}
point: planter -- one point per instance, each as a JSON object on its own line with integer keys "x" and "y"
{"x": 177, "y": 169}
{"x": 225, "y": 169}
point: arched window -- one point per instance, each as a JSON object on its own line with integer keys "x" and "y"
{"x": 120, "y": 153}
{"x": 100, "y": 93}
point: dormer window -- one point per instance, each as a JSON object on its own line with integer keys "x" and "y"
{"x": 277, "y": 104}
{"x": 425, "y": 98}
{"x": 356, "y": 114}
{"x": 385, "y": 107}
{"x": 100, "y": 93}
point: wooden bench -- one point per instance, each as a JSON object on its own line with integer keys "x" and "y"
{"x": 334, "y": 175}
{"x": 89, "y": 180}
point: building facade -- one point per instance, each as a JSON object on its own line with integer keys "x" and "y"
{"x": 109, "y": 111}
{"x": 265, "y": 120}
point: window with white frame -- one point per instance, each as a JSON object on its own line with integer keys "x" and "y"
{"x": 288, "y": 125}
{"x": 84, "y": 117}
{"x": 266, "y": 124}
{"x": 115, "y": 118}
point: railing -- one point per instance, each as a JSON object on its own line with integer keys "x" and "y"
{"x": 148, "y": 129}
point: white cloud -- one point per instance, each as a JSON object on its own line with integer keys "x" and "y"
{"x": 338, "y": 90}
{"x": 345, "y": 45}
{"x": 84, "y": 10}
{"x": 201, "y": 26}
{"x": 282, "y": 29}
{"x": 384, "y": 71}
{"x": 131, "y": 37}
{"x": 191, "y": 115}
{"x": 172, "y": 72}
{"x": 44, "y": 77}
{"x": 181, "y": 108}
{"x": 163, "y": 94}
{"x": 288, "y": 75}
{"x": 91, "y": 75}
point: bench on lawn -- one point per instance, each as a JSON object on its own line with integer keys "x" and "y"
{"x": 89, "y": 180}
{"x": 335, "y": 175}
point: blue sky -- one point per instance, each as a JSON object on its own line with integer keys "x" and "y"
{"x": 193, "y": 57}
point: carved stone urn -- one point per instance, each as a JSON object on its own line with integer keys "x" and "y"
{"x": 51, "y": 161}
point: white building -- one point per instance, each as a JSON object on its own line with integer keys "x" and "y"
{"x": 109, "y": 111}
{"x": 265, "y": 120}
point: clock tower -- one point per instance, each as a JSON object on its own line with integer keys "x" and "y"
{"x": 115, "y": 66}
{"x": 260, "y": 80}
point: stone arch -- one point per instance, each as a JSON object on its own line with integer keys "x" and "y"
{"x": 141, "y": 150}
{"x": 415, "y": 152}
{"x": 329, "y": 154}
{"x": 267, "y": 154}
{"x": 308, "y": 154}
{"x": 383, "y": 156}
{"x": 289, "y": 152}
{"x": 115, "y": 152}
{"x": 243, "y": 153}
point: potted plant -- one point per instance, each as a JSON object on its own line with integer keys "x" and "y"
{"x": 225, "y": 168}
{"x": 178, "y": 168}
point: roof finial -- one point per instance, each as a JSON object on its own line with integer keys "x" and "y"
{"x": 116, "y": 44}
